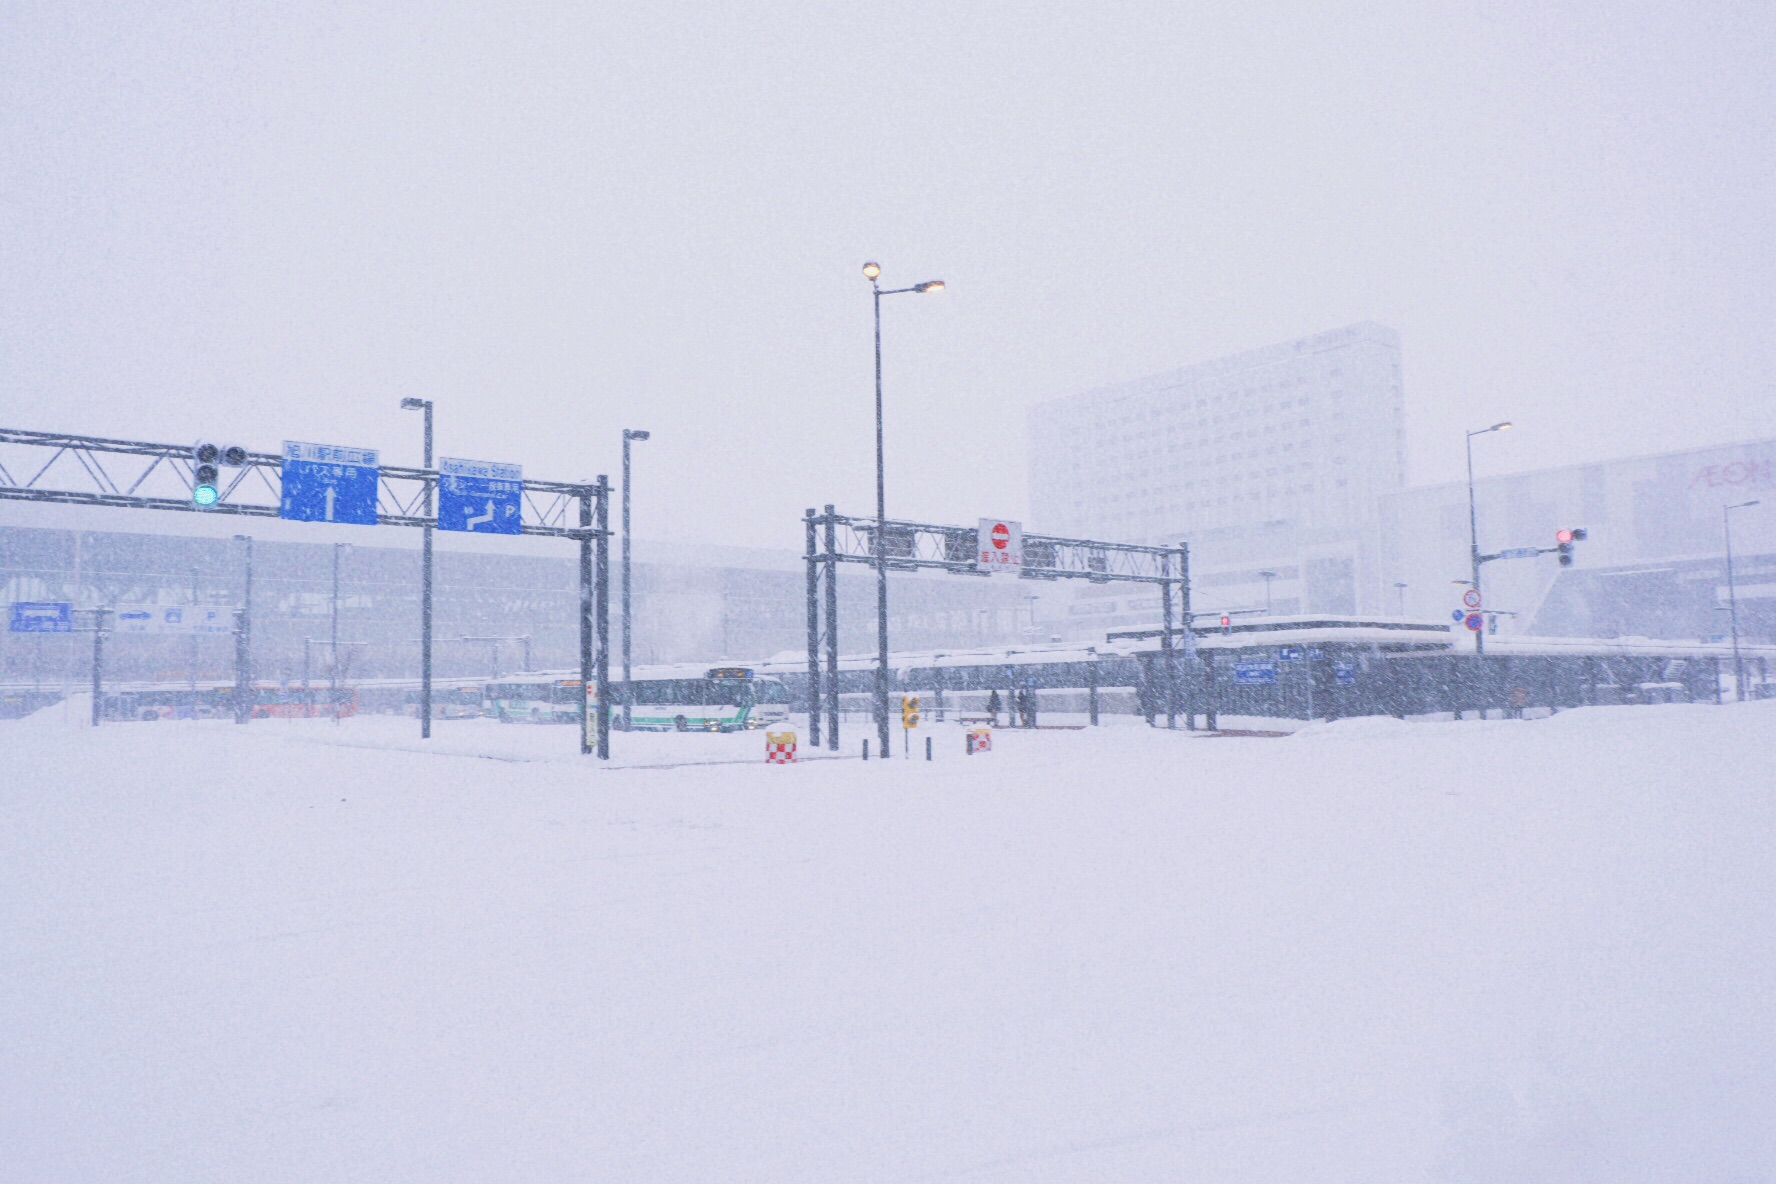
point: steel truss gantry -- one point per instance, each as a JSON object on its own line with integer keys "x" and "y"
{"x": 140, "y": 475}
{"x": 831, "y": 538}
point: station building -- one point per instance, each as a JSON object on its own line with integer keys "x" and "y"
{"x": 1283, "y": 468}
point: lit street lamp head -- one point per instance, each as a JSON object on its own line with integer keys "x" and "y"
{"x": 871, "y": 270}
{"x": 929, "y": 286}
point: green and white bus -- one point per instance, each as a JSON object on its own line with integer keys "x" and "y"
{"x": 723, "y": 699}
{"x": 667, "y": 699}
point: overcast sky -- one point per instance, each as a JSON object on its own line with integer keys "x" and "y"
{"x": 273, "y": 222}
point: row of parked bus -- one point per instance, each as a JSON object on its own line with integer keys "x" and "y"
{"x": 719, "y": 699}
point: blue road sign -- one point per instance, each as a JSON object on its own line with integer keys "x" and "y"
{"x": 328, "y": 483}
{"x": 1456, "y": 615}
{"x": 1475, "y": 622}
{"x": 1520, "y": 553}
{"x": 1254, "y": 674}
{"x": 480, "y": 496}
{"x": 1290, "y": 653}
{"x": 1344, "y": 673}
{"x": 42, "y": 616}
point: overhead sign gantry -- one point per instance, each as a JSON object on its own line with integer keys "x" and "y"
{"x": 333, "y": 483}
{"x": 991, "y": 546}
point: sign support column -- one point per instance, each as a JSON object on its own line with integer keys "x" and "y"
{"x": 832, "y": 631}
{"x": 1168, "y": 656}
{"x": 603, "y": 590}
{"x": 243, "y": 644}
{"x": 813, "y": 586}
{"x": 98, "y": 671}
{"x": 585, "y": 620}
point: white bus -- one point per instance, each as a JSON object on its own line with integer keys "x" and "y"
{"x": 722, "y": 699}
{"x": 537, "y": 699}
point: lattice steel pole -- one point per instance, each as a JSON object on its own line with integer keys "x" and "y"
{"x": 832, "y": 630}
{"x": 604, "y": 712}
{"x": 585, "y": 712}
{"x": 813, "y": 590}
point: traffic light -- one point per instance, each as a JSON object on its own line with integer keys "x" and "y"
{"x": 1565, "y": 540}
{"x": 205, "y": 473}
{"x": 909, "y": 711}
{"x": 1226, "y": 626}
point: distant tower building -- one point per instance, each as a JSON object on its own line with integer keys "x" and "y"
{"x": 1310, "y": 431}
{"x": 1271, "y": 459}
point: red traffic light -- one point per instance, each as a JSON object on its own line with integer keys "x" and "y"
{"x": 1563, "y": 536}
{"x": 1226, "y": 621}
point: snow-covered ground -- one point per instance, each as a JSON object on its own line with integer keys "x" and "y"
{"x": 1372, "y": 951}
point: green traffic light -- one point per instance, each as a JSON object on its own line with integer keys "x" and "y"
{"x": 205, "y": 495}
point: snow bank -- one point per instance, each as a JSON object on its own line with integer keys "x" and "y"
{"x": 1469, "y": 952}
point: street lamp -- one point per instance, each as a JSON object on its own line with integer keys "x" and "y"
{"x": 1268, "y": 577}
{"x": 872, "y": 271}
{"x": 333, "y": 644}
{"x": 1401, "y": 589}
{"x": 1733, "y": 599}
{"x": 629, "y": 434}
{"x": 425, "y": 595}
{"x": 1473, "y": 523}
{"x": 243, "y": 643}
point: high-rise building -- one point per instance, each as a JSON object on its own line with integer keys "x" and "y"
{"x": 1308, "y": 432}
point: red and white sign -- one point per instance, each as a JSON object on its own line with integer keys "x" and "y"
{"x": 999, "y": 546}
{"x": 1471, "y": 598}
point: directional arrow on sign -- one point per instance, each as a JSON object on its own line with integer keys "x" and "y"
{"x": 479, "y": 519}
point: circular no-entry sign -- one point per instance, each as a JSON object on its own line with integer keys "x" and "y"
{"x": 1001, "y": 535}
{"x": 1471, "y": 598}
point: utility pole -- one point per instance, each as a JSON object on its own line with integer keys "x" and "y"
{"x": 192, "y": 670}
{"x": 425, "y": 595}
{"x": 629, "y": 434}
{"x": 1474, "y": 527}
{"x": 1733, "y": 600}
{"x": 243, "y": 643}
{"x": 333, "y": 646}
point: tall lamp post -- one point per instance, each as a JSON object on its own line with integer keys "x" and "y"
{"x": 872, "y": 271}
{"x": 243, "y": 643}
{"x": 425, "y": 595}
{"x": 1474, "y": 527}
{"x": 1733, "y": 600}
{"x": 333, "y": 643}
{"x": 1268, "y": 577}
{"x": 629, "y": 434}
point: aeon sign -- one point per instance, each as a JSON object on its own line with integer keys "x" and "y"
{"x": 999, "y": 545}
{"x": 1737, "y": 472}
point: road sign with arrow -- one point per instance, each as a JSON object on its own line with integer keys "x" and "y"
{"x": 480, "y": 496}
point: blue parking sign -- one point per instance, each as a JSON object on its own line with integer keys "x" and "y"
{"x": 42, "y": 616}
{"x": 480, "y": 496}
{"x": 329, "y": 483}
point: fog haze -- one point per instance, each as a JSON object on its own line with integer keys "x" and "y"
{"x": 274, "y": 222}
